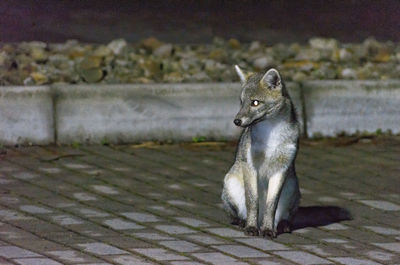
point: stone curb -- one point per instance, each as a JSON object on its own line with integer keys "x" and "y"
{"x": 134, "y": 112}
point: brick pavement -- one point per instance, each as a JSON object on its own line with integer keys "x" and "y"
{"x": 160, "y": 204}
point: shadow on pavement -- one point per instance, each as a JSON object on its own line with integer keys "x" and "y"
{"x": 313, "y": 216}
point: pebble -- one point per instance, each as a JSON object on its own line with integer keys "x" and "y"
{"x": 151, "y": 60}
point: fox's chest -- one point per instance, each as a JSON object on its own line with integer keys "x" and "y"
{"x": 265, "y": 142}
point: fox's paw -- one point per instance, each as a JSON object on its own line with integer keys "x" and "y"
{"x": 269, "y": 233}
{"x": 239, "y": 222}
{"x": 251, "y": 231}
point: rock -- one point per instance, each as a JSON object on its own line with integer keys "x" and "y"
{"x": 308, "y": 54}
{"x": 164, "y": 50}
{"x": 92, "y": 75}
{"x": 301, "y": 65}
{"x": 39, "y": 78}
{"x": 254, "y": 46}
{"x": 348, "y": 73}
{"x": 102, "y": 51}
{"x": 345, "y": 55}
{"x": 76, "y": 52}
{"x": 90, "y": 62}
{"x": 151, "y": 68}
{"x": 38, "y": 54}
{"x": 151, "y": 44}
{"x": 323, "y": 43}
{"x": 299, "y": 76}
{"x": 382, "y": 57}
{"x": 3, "y": 58}
{"x": 60, "y": 61}
{"x": 234, "y": 44}
{"x": 173, "y": 77}
{"x": 217, "y": 54}
{"x": 262, "y": 63}
{"x": 200, "y": 77}
{"x": 117, "y": 46}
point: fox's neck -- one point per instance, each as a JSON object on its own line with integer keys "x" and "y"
{"x": 270, "y": 131}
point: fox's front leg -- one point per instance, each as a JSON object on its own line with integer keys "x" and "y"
{"x": 275, "y": 184}
{"x": 251, "y": 194}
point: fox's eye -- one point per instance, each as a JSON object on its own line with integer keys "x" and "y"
{"x": 255, "y": 103}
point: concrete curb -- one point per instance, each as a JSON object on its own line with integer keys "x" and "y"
{"x": 131, "y": 113}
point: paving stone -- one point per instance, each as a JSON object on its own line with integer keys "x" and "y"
{"x": 92, "y": 213}
{"x": 315, "y": 249}
{"x": 301, "y": 257}
{"x": 241, "y": 251}
{"x": 76, "y": 165}
{"x": 327, "y": 199}
{"x": 34, "y": 209}
{"x": 16, "y": 252}
{"x": 263, "y": 244}
{"x": 268, "y": 262}
{"x": 37, "y": 244}
{"x": 105, "y": 189}
{"x": 192, "y": 222}
{"x": 380, "y": 255}
{"x": 381, "y": 205}
{"x": 68, "y": 255}
{"x": 119, "y": 224}
{"x": 130, "y": 260}
{"x": 11, "y": 215}
{"x": 101, "y": 249}
{"x": 37, "y": 261}
{"x": 152, "y": 236}
{"x": 181, "y": 203}
{"x": 186, "y": 263}
{"x": 102, "y": 263}
{"x": 226, "y": 232}
{"x": 175, "y": 229}
{"x": 354, "y": 261}
{"x": 181, "y": 246}
{"x": 383, "y": 230}
{"x": 25, "y": 175}
{"x": 334, "y": 240}
{"x": 162, "y": 209}
{"x": 65, "y": 205}
{"x": 141, "y": 217}
{"x": 66, "y": 220}
{"x": 395, "y": 247}
{"x": 350, "y": 241}
{"x": 159, "y": 254}
{"x": 217, "y": 258}
{"x": 208, "y": 240}
{"x": 82, "y": 196}
{"x": 50, "y": 170}
{"x": 9, "y": 199}
{"x": 335, "y": 226}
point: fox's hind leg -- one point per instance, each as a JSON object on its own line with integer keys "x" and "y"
{"x": 233, "y": 196}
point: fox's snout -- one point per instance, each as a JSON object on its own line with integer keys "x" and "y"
{"x": 237, "y": 122}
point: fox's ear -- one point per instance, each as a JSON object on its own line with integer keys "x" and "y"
{"x": 272, "y": 79}
{"x": 242, "y": 74}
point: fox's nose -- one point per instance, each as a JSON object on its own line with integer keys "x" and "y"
{"x": 237, "y": 122}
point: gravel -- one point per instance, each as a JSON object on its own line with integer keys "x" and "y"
{"x": 151, "y": 60}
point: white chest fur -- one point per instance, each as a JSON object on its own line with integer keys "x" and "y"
{"x": 266, "y": 136}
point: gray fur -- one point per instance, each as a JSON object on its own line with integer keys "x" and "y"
{"x": 262, "y": 188}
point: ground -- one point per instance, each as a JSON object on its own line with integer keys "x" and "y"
{"x": 160, "y": 204}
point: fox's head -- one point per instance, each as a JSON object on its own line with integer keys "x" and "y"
{"x": 262, "y": 96}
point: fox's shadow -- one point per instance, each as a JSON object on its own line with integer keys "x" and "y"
{"x": 313, "y": 216}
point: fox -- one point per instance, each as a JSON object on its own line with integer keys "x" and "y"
{"x": 261, "y": 190}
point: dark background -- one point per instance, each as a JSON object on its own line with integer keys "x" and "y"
{"x": 198, "y": 21}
